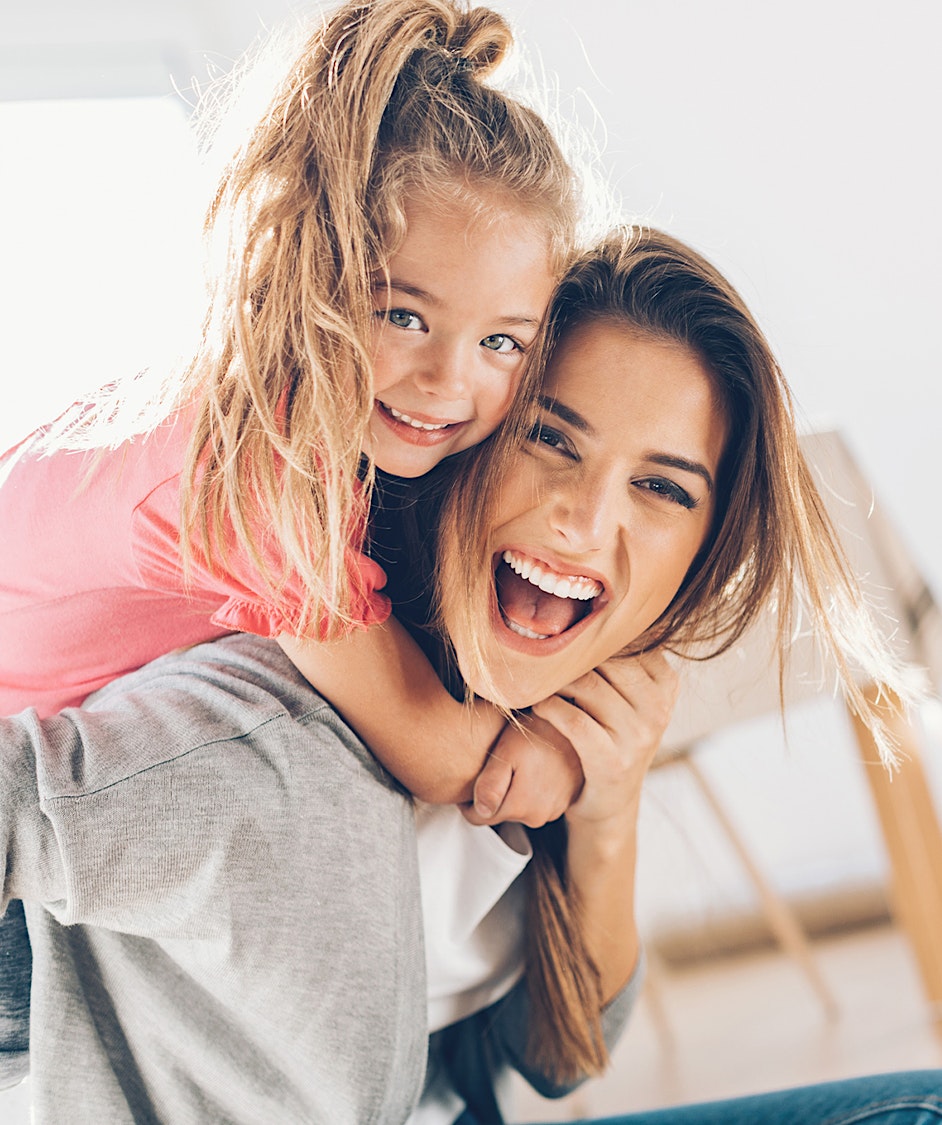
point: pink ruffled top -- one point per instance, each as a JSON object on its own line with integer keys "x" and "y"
{"x": 91, "y": 582}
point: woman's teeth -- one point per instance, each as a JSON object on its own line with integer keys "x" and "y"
{"x": 414, "y": 422}
{"x": 522, "y": 632}
{"x": 561, "y": 585}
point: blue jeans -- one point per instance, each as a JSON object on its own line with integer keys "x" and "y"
{"x": 16, "y": 962}
{"x": 904, "y": 1098}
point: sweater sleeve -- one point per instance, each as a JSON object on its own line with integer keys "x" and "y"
{"x": 136, "y": 813}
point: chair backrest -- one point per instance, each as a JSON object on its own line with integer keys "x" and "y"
{"x": 744, "y": 682}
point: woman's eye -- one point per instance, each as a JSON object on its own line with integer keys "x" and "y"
{"x": 670, "y": 490}
{"x": 500, "y": 343}
{"x": 541, "y": 434}
{"x": 402, "y": 318}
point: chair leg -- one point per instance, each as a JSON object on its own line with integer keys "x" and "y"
{"x": 785, "y": 926}
{"x": 913, "y": 838}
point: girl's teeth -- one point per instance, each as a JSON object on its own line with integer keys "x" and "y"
{"x": 560, "y": 585}
{"x": 414, "y": 422}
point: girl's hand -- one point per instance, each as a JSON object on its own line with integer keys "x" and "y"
{"x": 532, "y": 775}
{"x": 614, "y": 718}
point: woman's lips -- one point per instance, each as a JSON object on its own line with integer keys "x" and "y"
{"x": 414, "y": 429}
{"x": 539, "y": 607}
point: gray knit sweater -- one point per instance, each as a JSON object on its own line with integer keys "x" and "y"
{"x": 222, "y": 893}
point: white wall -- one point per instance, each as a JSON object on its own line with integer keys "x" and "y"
{"x": 794, "y": 143}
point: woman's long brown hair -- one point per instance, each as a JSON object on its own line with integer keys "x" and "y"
{"x": 772, "y": 547}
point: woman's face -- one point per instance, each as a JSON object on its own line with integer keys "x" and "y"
{"x": 601, "y": 514}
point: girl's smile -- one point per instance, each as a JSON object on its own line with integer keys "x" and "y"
{"x": 419, "y": 430}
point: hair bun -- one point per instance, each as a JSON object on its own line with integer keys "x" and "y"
{"x": 479, "y": 41}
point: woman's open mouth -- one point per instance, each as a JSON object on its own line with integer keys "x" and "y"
{"x": 538, "y": 603}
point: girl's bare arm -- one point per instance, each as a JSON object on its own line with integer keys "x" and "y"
{"x": 383, "y": 685}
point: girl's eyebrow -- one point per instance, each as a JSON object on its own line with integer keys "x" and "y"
{"x": 668, "y": 460}
{"x": 380, "y": 282}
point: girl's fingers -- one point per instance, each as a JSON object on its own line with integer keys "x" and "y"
{"x": 491, "y": 786}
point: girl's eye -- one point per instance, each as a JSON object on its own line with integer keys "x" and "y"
{"x": 669, "y": 490}
{"x": 500, "y": 343}
{"x": 402, "y": 318}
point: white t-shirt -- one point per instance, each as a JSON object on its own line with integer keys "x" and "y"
{"x": 473, "y": 913}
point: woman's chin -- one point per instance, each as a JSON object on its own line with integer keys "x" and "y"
{"x": 499, "y": 685}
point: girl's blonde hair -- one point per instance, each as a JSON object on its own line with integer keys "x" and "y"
{"x": 771, "y": 546}
{"x": 383, "y": 99}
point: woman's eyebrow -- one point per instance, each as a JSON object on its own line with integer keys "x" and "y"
{"x": 669, "y": 461}
{"x": 567, "y": 414}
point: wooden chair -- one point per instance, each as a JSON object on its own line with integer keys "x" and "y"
{"x": 743, "y": 683}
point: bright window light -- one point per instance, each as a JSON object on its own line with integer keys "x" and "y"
{"x": 100, "y": 245}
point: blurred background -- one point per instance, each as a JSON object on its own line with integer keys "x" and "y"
{"x": 796, "y": 145}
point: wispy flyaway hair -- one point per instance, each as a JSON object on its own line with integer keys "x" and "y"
{"x": 380, "y": 101}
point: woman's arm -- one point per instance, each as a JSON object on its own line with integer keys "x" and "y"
{"x": 384, "y": 686}
{"x": 137, "y": 811}
{"x": 615, "y": 718}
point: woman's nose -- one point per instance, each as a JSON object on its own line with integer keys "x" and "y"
{"x": 585, "y": 514}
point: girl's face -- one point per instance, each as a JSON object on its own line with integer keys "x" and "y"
{"x": 604, "y": 510}
{"x": 464, "y": 300}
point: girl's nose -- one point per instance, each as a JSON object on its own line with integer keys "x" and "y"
{"x": 443, "y": 371}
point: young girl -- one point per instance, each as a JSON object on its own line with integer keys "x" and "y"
{"x": 391, "y": 229}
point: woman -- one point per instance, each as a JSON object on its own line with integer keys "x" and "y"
{"x": 643, "y": 512}
{"x": 657, "y": 499}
